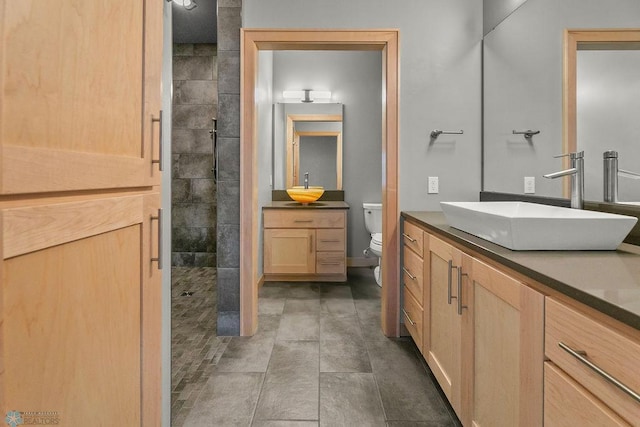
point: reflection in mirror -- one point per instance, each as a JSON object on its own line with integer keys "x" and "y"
{"x": 307, "y": 138}
{"x": 602, "y": 105}
{"x": 522, "y": 85}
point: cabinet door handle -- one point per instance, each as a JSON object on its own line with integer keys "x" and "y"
{"x": 409, "y": 274}
{"x": 408, "y": 317}
{"x": 460, "y": 306}
{"x": 330, "y": 241}
{"x": 411, "y": 239}
{"x": 581, "y": 356}
{"x": 449, "y": 280}
{"x": 310, "y": 244}
{"x": 160, "y": 151}
{"x": 159, "y": 219}
{"x": 302, "y": 220}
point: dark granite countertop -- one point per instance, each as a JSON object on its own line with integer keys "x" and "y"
{"x": 608, "y": 281}
{"x": 315, "y": 205}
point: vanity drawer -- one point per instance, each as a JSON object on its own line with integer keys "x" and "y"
{"x": 412, "y": 237}
{"x": 568, "y": 404}
{"x": 412, "y": 276}
{"x": 412, "y": 314}
{"x": 615, "y": 353}
{"x": 330, "y": 263}
{"x": 304, "y": 218}
{"x": 330, "y": 239}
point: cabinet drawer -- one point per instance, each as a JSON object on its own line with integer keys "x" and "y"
{"x": 412, "y": 313}
{"x": 412, "y": 237}
{"x": 330, "y": 239}
{"x": 615, "y": 353}
{"x": 330, "y": 263}
{"x": 412, "y": 276}
{"x": 567, "y": 404}
{"x": 303, "y": 218}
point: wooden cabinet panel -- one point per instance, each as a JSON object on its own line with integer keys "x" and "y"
{"x": 74, "y": 100}
{"x": 567, "y": 404}
{"x": 506, "y": 329}
{"x": 304, "y": 218}
{"x": 444, "y": 323}
{"x": 330, "y": 263}
{"x": 330, "y": 239}
{"x": 70, "y": 319}
{"x": 613, "y": 352}
{"x": 412, "y": 237}
{"x": 413, "y": 315}
{"x": 289, "y": 251}
{"x": 412, "y": 276}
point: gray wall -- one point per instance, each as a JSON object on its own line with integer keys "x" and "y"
{"x": 354, "y": 78}
{"x": 318, "y": 159}
{"x": 440, "y": 85}
{"x": 523, "y": 87}
{"x": 197, "y": 25}
{"x": 195, "y": 101}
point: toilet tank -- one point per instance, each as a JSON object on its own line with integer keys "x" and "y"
{"x": 373, "y": 217}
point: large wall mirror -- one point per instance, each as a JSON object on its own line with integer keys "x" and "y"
{"x": 602, "y": 106}
{"x": 307, "y": 138}
{"x": 523, "y": 90}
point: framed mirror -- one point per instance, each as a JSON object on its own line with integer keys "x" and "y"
{"x": 308, "y": 138}
{"x": 601, "y": 104}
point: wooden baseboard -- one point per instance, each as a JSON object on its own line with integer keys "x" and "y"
{"x": 261, "y": 281}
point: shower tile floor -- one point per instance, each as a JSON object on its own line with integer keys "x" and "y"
{"x": 318, "y": 359}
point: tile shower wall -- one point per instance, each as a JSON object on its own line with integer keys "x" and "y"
{"x": 195, "y": 101}
{"x": 228, "y": 231}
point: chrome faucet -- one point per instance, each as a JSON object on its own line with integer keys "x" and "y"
{"x": 611, "y": 173}
{"x": 306, "y": 180}
{"x": 576, "y": 171}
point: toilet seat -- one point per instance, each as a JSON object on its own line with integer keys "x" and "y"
{"x": 376, "y": 244}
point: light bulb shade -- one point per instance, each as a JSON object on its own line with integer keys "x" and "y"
{"x": 307, "y": 95}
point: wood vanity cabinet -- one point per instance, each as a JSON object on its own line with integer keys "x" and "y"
{"x": 305, "y": 244}
{"x": 577, "y": 342}
{"x": 482, "y": 337}
{"x": 413, "y": 282}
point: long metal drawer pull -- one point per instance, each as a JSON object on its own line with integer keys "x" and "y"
{"x": 460, "y": 306}
{"x": 449, "y": 280}
{"x": 159, "y": 219}
{"x": 409, "y": 274}
{"x": 330, "y": 263}
{"x": 330, "y": 241}
{"x": 599, "y": 371}
{"x": 408, "y": 317}
{"x": 302, "y": 220}
{"x": 310, "y": 244}
{"x": 411, "y": 239}
{"x": 160, "y": 152}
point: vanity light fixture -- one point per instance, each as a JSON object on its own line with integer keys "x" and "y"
{"x": 307, "y": 95}
{"x": 187, "y": 4}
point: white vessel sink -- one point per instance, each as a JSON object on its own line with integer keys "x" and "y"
{"x": 531, "y": 226}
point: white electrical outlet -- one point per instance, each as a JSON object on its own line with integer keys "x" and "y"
{"x": 529, "y": 184}
{"x": 433, "y": 185}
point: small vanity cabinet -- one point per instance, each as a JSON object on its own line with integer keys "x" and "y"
{"x": 412, "y": 281}
{"x": 305, "y": 243}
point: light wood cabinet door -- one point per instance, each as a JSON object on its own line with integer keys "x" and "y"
{"x": 79, "y": 95}
{"x": 503, "y": 364}
{"x": 77, "y": 278}
{"x": 443, "y": 325}
{"x": 289, "y": 251}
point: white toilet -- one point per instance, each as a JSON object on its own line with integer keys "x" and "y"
{"x": 373, "y": 224}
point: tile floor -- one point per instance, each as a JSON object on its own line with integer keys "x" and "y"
{"x": 318, "y": 359}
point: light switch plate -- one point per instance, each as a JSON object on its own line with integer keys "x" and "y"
{"x": 529, "y": 184}
{"x": 432, "y": 187}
